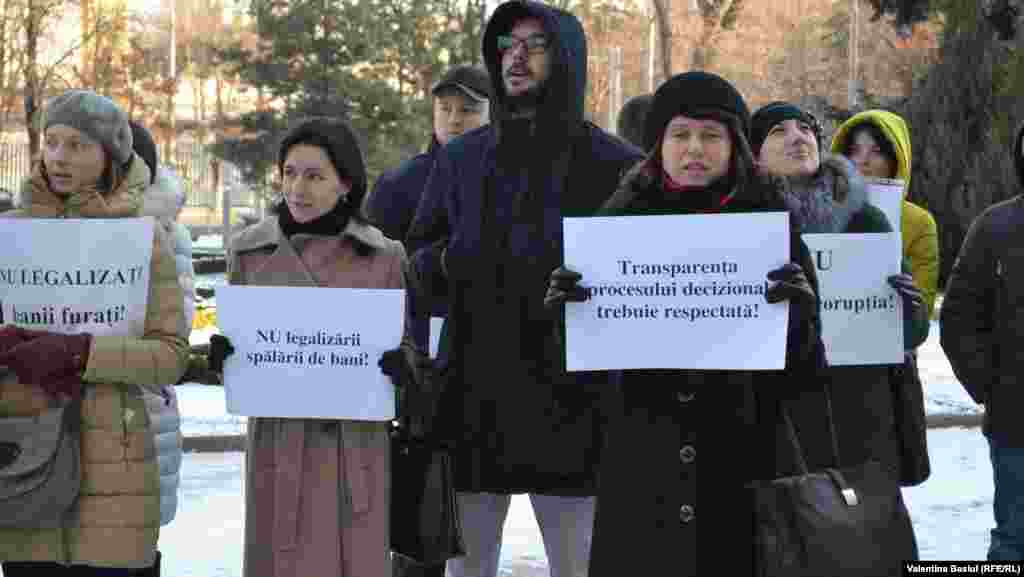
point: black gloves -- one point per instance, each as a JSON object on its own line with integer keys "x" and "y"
{"x": 792, "y": 285}
{"x": 393, "y": 363}
{"x": 564, "y": 287}
{"x": 220, "y": 349}
{"x": 915, "y": 313}
{"x": 912, "y": 297}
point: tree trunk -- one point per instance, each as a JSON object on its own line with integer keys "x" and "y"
{"x": 32, "y": 25}
{"x": 663, "y": 17}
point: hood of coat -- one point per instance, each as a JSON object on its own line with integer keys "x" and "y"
{"x": 165, "y": 197}
{"x": 1018, "y": 154}
{"x": 125, "y": 201}
{"x": 561, "y": 108}
{"x": 827, "y": 201}
{"x": 893, "y": 127}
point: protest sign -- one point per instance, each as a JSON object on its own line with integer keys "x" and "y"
{"x": 861, "y": 315}
{"x": 76, "y": 275}
{"x": 676, "y": 292}
{"x": 887, "y": 195}
{"x": 309, "y": 352}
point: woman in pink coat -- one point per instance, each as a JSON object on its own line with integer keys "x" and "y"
{"x": 317, "y": 491}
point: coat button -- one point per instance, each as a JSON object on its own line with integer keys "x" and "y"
{"x": 687, "y": 454}
{"x": 685, "y": 397}
{"x": 687, "y": 513}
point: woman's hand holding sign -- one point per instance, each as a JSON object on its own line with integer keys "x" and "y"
{"x": 904, "y": 285}
{"x": 53, "y": 361}
{"x": 564, "y": 287}
{"x": 220, "y": 349}
{"x": 792, "y": 285}
{"x": 395, "y": 364}
{"x": 915, "y": 313}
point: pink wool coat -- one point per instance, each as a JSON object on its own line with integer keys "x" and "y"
{"x": 317, "y": 491}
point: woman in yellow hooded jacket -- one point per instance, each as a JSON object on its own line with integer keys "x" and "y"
{"x": 878, "y": 143}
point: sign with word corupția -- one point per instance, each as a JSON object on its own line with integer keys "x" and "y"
{"x": 76, "y": 275}
{"x": 676, "y": 292}
{"x": 861, "y": 315}
{"x": 309, "y": 352}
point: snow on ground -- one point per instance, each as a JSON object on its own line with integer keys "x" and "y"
{"x": 943, "y": 393}
{"x": 952, "y": 512}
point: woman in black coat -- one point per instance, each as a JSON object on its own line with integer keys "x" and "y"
{"x": 699, "y": 162}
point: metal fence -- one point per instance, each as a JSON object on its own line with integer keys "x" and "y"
{"x": 15, "y": 164}
{"x": 196, "y": 166}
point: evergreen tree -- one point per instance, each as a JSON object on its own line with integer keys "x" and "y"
{"x": 308, "y": 61}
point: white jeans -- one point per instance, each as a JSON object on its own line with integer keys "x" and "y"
{"x": 566, "y": 524}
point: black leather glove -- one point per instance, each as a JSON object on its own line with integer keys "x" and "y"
{"x": 792, "y": 285}
{"x": 220, "y": 349}
{"x": 393, "y": 363}
{"x": 564, "y": 287}
{"x": 915, "y": 313}
{"x": 912, "y": 297}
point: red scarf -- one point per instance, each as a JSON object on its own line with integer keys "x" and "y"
{"x": 674, "y": 188}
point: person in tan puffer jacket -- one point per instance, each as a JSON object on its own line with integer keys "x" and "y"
{"x": 87, "y": 169}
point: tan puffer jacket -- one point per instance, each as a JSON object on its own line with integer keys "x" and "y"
{"x": 118, "y": 512}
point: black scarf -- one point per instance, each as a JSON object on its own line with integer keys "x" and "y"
{"x": 331, "y": 223}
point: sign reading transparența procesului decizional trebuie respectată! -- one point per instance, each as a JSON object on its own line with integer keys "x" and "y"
{"x": 309, "y": 352}
{"x": 676, "y": 292}
{"x": 76, "y": 275}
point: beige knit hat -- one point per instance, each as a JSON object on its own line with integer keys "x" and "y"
{"x": 97, "y": 116}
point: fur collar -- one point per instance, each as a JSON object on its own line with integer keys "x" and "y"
{"x": 826, "y": 201}
{"x": 267, "y": 233}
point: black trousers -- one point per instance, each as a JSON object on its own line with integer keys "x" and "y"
{"x": 41, "y": 569}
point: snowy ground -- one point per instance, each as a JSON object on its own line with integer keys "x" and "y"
{"x": 952, "y": 511}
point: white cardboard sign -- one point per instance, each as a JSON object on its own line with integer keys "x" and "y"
{"x": 676, "y": 292}
{"x": 887, "y": 195}
{"x": 309, "y": 352}
{"x": 861, "y": 315}
{"x": 76, "y": 275}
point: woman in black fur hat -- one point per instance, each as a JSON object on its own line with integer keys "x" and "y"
{"x": 699, "y": 162}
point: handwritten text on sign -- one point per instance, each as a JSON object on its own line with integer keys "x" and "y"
{"x": 76, "y": 275}
{"x": 861, "y": 315}
{"x": 305, "y": 352}
{"x": 684, "y": 292}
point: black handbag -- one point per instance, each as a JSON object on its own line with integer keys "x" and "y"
{"x": 424, "y": 513}
{"x": 425, "y": 526}
{"x": 911, "y": 424}
{"x": 840, "y": 522}
{"x": 40, "y": 467}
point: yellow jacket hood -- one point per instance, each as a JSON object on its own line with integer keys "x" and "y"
{"x": 893, "y": 127}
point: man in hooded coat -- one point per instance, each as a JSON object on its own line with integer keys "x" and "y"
{"x": 487, "y": 234}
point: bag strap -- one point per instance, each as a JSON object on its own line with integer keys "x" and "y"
{"x": 794, "y": 442}
{"x": 73, "y": 412}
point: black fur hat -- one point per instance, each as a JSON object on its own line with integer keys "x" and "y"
{"x": 690, "y": 92}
